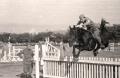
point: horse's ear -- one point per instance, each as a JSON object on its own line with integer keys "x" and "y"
{"x": 106, "y": 22}
{"x": 73, "y": 26}
{"x": 69, "y": 26}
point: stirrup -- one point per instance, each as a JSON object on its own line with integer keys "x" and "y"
{"x": 102, "y": 46}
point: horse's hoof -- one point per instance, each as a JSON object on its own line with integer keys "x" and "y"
{"x": 75, "y": 59}
{"x": 102, "y": 46}
{"x": 95, "y": 54}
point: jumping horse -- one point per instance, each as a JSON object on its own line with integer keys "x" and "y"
{"x": 82, "y": 39}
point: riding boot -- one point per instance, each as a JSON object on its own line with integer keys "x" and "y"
{"x": 100, "y": 42}
{"x": 96, "y": 35}
{"x": 102, "y": 46}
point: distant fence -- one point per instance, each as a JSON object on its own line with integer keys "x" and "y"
{"x": 11, "y": 54}
{"x": 113, "y": 47}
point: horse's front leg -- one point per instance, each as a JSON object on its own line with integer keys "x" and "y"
{"x": 80, "y": 49}
{"x": 74, "y": 54}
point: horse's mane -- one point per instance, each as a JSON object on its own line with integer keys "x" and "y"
{"x": 83, "y": 30}
{"x": 80, "y": 29}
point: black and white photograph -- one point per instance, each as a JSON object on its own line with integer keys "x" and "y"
{"x": 59, "y": 38}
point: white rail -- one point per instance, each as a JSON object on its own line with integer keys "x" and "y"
{"x": 84, "y": 67}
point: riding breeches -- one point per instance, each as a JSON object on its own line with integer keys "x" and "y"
{"x": 96, "y": 35}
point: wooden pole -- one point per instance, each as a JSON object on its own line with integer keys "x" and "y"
{"x": 37, "y": 61}
{"x": 9, "y": 54}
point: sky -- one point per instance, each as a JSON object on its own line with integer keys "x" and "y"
{"x": 46, "y": 15}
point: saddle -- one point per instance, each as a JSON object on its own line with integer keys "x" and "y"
{"x": 91, "y": 31}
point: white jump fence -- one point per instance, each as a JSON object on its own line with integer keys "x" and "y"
{"x": 83, "y": 67}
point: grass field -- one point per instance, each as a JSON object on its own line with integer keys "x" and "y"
{"x": 10, "y": 70}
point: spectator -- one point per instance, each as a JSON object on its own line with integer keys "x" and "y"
{"x": 27, "y": 55}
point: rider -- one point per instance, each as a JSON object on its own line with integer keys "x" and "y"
{"x": 90, "y": 25}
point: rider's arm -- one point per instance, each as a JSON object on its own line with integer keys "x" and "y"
{"x": 79, "y": 22}
{"x": 87, "y": 22}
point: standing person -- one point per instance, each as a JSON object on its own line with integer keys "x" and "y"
{"x": 90, "y": 25}
{"x": 27, "y": 55}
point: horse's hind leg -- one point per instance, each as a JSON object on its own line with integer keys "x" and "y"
{"x": 95, "y": 51}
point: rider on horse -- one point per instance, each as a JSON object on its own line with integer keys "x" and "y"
{"x": 89, "y": 25}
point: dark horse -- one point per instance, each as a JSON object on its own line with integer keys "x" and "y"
{"x": 84, "y": 40}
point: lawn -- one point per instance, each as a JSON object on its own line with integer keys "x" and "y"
{"x": 10, "y": 70}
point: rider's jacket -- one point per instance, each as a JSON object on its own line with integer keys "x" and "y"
{"x": 88, "y": 23}
{"x": 28, "y": 55}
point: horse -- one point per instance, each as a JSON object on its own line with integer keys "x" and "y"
{"x": 84, "y": 40}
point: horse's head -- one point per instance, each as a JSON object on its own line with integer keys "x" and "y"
{"x": 75, "y": 35}
{"x": 72, "y": 35}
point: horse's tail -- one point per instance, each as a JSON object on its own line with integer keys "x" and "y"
{"x": 93, "y": 44}
{"x": 114, "y": 36}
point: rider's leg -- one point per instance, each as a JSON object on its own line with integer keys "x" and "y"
{"x": 97, "y": 36}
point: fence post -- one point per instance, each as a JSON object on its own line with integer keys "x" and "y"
{"x": 13, "y": 55}
{"x": 5, "y": 57}
{"x": 37, "y": 61}
{"x": 44, "y": 49}
{"x": 9, "y": 54}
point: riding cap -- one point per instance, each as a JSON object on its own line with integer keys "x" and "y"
{"x": 81, "y": 16}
